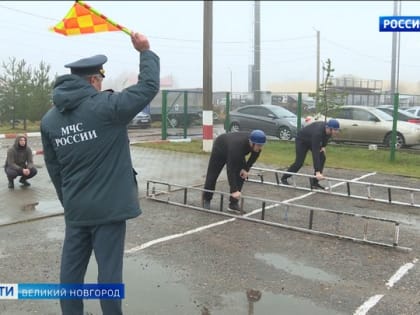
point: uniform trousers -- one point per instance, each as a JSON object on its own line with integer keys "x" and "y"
{"x": 301, "y": 151}
{"x": 216, "y": 164}
{"x": 107, "y": 243}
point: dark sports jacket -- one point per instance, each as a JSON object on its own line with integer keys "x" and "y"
{"x": 233, "y": 148}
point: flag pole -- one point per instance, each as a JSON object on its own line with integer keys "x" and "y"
{"x": 122, "y": 28}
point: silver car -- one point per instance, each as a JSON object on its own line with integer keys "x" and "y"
{"x": 371, "y": 125}
{"x": 272, "y": 119}
{"x": 415, "y": 110}
{"x": 141, "y": 120}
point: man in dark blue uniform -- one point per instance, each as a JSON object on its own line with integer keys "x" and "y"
{"x": 313, "y": 137}
{"x": 230, "y": 149}
{"x": 87, "y": 154}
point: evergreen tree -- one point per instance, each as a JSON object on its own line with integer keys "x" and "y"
{"x": 328, "y": 97}
{"x": 25, "y": 93}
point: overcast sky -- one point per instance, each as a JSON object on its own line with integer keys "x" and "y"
{"x": 349, "y": 31}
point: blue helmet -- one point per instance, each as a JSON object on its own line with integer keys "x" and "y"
{"x": 333, "y": 124}
{"x": 257, "y": 137}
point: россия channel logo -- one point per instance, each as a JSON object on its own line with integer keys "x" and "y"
{"x": 399, "y": 24}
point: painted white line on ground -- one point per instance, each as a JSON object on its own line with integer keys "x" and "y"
{"x": 400, "y": 273}
{"x": 336, "y": 185}
{"x": 173, "y": 236}
{"x": 365, "y": 307}
{"x": 199, "y": 229}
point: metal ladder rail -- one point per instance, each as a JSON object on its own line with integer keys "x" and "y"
{"x": 370, "y": 198}
{"x": 368, "y": 185}
{"x": 312, "y": 211}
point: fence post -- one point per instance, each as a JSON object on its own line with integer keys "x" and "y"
{"x": 299, "y": 111}
{"x": 227, "y": 110}
{"x": 185, "y": 113}
{"x": 394, "y": 127}
{"x": 164, "y": 117}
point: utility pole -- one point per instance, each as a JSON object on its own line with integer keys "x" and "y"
{"x": 395, "y": 54}
{"x": 394, "y": 93}
{"x": 208, "y": 76}
{"x": 318, "y": 65}
{"x": 257, "y": 53}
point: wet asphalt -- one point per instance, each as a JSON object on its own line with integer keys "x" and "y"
{"x": 183, "y": 261}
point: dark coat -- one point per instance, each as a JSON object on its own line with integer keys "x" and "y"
{"x": 233, "y": 148}
{"x": 19, "y": 157}
{"x": 86, "y": 146}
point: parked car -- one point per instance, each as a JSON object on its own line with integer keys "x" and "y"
{"x": 141, "y": 120}
{"x": 175, "y": 115}
{"x": 402, "y": 114}
{"x": 272, "y": 119}
{"x": 370, "y": 125}
{"x": 415, "y": 110}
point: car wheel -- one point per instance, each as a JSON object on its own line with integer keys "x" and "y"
{"x": 234, "y": 127}
{"x": 173, "y": 121}
{"x": 400, "y": 141}
{"x": 284, "y": 133}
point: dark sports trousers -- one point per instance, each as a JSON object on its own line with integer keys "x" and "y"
{"x": 301, "y": 151}
{"x": 216, "y": 164}
{"x": 12, "y": 173}
{"x": 107, "y": 242}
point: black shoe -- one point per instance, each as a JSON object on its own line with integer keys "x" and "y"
{"x": 24, "y": 182}
{"x": 284, "y": 181}
{"x": 234, "y": 207}
{"x": 11, "y": 184}
{"x": 315, "y": 184}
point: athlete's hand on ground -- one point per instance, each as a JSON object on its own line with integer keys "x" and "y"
{"x": 236, "y": 194}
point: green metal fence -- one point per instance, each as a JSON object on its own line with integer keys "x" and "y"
{"x": 183, "y": 109}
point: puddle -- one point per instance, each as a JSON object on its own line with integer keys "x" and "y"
{"x": 24, "y": 210}
{"x": 296, "y": 268}
{"x": 150, "y": 288}
{"x": 155, "y": 289}
{"x": 49, "y": 207}
{"x": 269, "y": 303}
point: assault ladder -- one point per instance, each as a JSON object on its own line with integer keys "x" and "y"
{"x": 302, "y": 218}
{"x": 390, "y": 194}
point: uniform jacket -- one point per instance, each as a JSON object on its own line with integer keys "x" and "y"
{"x": 19, "y": 157}
{"x": 233, "y": 148}
{"x": 314, "y": 137}
{"x": 86, "y": 146}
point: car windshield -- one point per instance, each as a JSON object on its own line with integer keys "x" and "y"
{"x": 282, "y": 112}
{"x": 381, "y": 114}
